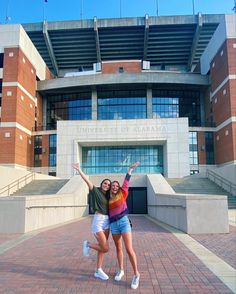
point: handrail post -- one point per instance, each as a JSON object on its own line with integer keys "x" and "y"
{"x": 16, "y": 183}
{"x": 221, "y": 181}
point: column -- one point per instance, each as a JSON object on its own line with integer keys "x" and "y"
{"x": 149, "y": 102}
{"x": 94, "y": 104}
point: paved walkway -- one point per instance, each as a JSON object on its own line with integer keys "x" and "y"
{"x": 51, "y": 262}
{"x": 223, "y": 245}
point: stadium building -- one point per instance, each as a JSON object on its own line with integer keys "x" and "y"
{"x": 109, "y": 92}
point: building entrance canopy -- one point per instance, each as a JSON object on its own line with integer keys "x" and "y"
{"x": 168, "y": 136}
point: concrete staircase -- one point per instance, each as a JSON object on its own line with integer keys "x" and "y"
{"x": 41, "y": 187}
{"x": 196, "y": 185}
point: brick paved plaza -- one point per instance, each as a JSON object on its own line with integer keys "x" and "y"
{"x": 51, "y": 261}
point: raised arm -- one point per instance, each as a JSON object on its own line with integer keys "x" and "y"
{"x": 132, "y": 167}
{"x": 83, "y": 175}
{"x": 125, "y": 185}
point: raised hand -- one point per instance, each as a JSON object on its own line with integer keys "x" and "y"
{"x": 134, "y": 165}
{"x": 76, "y": 166}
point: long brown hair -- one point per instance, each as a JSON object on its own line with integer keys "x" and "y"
{"x": 107, "y": 194}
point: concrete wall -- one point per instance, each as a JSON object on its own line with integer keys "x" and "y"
{"x": 24, "y": 214}
{"x": 19, "y": 38}
{"x": 171, "y": 133}
{"x": 225, "y": 30}
{"x": 147, "y": 77}
{"x": 12, "y": 215}
{"x": 228, "y": 173}
{"x": 193, "y": 214}
{"x": 10, "y": 176}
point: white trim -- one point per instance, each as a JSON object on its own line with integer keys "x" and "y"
{"x": 15, "y": 125}
{"x": 229, "y": 77}
{"x": 225, "y": 163}
{"x": 15, "y": 165}
{"x": 16, "y": 84}
{"x": 49, "y": 132}
{"x": 230, "y": 120}
{"x": 20, "y": 39}
{"x": 202, "y": 129}
{"x": 1, "y": 73}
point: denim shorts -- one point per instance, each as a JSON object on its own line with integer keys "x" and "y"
{"x": 121, "y": 226}
{"x": 100, "y": 223}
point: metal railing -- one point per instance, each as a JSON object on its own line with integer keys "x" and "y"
{"x": 222, "y": 182}
{"x": 19, "y": 183}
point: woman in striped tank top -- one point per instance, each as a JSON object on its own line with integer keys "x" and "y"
{"x": 120, "y": 226}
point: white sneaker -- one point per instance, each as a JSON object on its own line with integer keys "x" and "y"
{"x": 119, "y": 275}
{"x": 86, "y": 248}
{"x": 101, "y": 275}
{"x": 135, "y": 282}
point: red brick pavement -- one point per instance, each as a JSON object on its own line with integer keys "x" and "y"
{"x": 7, "y": 237}
{"x": 223, "y": 245}
{"x": 51, "y": 262}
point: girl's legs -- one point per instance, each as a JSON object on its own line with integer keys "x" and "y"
{"x": 102, "y": 245}
{"x": 119, "y": 252}
{"x": 127, "y": 237}
{"x": 100, "y": 255}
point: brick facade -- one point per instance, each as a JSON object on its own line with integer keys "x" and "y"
{"x": 201, "y": 148}
{"x": 121, "y": 67}
{"x": 221, "y": 100}
{"x": 19, "y": 108}
{"x": 224, "y": 144}
{"x": 16, "y": 147}
{"x": 223, "y": 87}
{"x": 45, "y": 150}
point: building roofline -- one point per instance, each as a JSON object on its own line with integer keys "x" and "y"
{"x": 124, "y": 22}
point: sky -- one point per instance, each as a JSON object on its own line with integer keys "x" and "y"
{"x": 28, "y": 11}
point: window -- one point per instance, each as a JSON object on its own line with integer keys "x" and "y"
{"x": 37, "y": 151}
{"x": 177, "y": 103}
{"x": 209, "y": 147}
{"x": 122, "y": 104}
{"x": 117, "y": 159}
{"x": 52, "y": 150}
{"x": 68, "y": 107}
{"x": 164, "y": 107}
{"x": 1, "y": 60}
{"x": 193, "y": 149}
{"x": 37, "y": 160}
